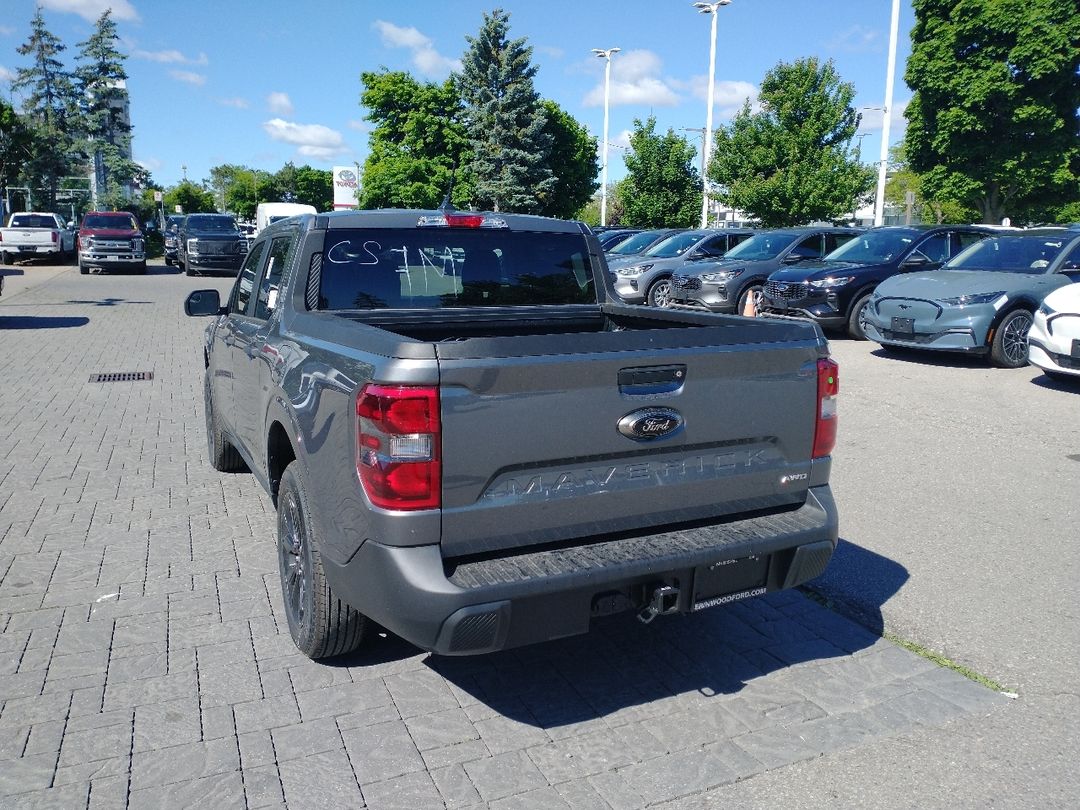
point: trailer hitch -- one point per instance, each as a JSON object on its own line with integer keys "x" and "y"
{"x": 665, "y": 599}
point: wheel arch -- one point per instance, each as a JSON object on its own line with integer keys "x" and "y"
{"x": 280, "y": 452}
{"x": 1023, "y": 302}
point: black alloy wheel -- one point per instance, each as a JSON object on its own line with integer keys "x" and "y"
{"x": 1009, "y": 348}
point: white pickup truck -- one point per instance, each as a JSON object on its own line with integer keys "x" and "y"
{"x": 31, "y": 233}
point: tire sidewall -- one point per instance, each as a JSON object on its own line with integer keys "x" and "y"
{"x": 655, "y": 287}
{"x": 997, "y": 347}
{"x": 855, "y": 329}
{"x": 292, "y": 496}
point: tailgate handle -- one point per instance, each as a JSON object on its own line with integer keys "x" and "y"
{"x": 651, "y": 380}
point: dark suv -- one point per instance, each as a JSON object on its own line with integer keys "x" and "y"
{"x": 172, "y": 237}
{"x": 727, "y": 284}
{"x": 210, "y": 242}
{"x": 834, "y": 291}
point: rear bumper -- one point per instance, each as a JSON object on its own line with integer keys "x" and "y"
{"x": 482, "y": 605}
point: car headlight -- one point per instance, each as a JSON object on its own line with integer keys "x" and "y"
{"x": 829, "y": 283}
{"x": 1046, "y": 309}
{"x": 192, "y": 245}
{"x": 975, "y": 298}
{"x": 721, "y": 275}
{"x": 636, "y": 270}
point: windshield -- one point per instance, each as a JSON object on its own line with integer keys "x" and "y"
{"x": 761, "y": 246}
{"x": 675, "y": 245}
{"x": 215, "y": 224}
{"x": 1010, "y": 254}
{"x": 445, "y": 268}
{"x": 635, "y": 244}
{"x": 100, "y": 223}
{"x": 874, "y": 247}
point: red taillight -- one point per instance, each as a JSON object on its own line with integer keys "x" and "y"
{"x": 828, "y": 388}
{"x": 55, "y": 236}
{"x": 398, "y": 446}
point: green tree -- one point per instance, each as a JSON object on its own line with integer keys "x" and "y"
{"x": 662, "y": 188}
{"x": 315, "y": 187}
{"x": 903, "y": 179}
{"x": 192, "y": 199}
{"x": 49, "y": 109}
{"x": 572, "y": 160}
{"x": 993, "y": 121}
{"x": 15, "y": 147}
{"x": 792, "y": 162}
{"x": 417, "y": 142}
{"x": 222, "y": 181}
{"x": 100, "y": 80}
{"x": 505, "y": 121}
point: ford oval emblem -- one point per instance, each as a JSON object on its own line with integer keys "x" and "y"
{"x": 648, "y": 424}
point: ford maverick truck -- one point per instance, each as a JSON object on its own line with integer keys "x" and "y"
{"x": 471, "y": 441}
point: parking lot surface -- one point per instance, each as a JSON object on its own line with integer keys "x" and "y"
{"x": 145, "y": 660}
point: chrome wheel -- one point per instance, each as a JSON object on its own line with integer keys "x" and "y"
{"x": 660, "y": 293}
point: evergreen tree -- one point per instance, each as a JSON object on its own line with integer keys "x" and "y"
{"x": 103, "y": 98}
{"x": 662, "y": 188}
{"x": 792, "y": 163}
{"x": 505, "y": 121}
{"x": 993, "y": 123}
{"x": 572, "y": 159}
{"x": 15, "y": 145}
{"x": 418, "y": 144}
{"x": 49, "y": 109}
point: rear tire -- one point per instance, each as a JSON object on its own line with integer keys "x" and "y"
{"x": 5, "y": 257}
{"x": 222, "y": 455}
{"x": 321, "y": 625}
{"x": 855, "y": 326}
{"x": 1008, "y": 349}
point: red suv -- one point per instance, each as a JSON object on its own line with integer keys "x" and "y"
{"x": 109, "y": 239}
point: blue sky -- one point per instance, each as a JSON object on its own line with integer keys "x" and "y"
{"x": 260, "y": 84}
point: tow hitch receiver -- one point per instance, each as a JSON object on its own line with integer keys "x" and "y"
{"x": 665, "y": 599}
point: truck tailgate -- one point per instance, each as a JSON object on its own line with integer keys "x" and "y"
{"x": 533, "y": 452}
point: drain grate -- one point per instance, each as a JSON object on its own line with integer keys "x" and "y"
{"x": 122, "y": 376}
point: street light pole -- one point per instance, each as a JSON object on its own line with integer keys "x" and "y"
{"x": 709, "y": 8}
{"x": 886, "y": 113}
{"x": 606, "y": 56}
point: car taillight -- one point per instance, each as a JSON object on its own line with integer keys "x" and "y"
{"x": 828, "y": 389}
{"x": 55, "y": 236}
{"x": 399, "y": 434}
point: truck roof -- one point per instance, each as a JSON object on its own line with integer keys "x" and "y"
{"x": 408, "y": 218}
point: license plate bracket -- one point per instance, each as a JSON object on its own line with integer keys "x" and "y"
{"x": 729, "y": 580}
{"x": 905, "y": 326}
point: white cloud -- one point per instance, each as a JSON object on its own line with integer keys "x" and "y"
{"x": 360, "y": 126}
{"x": 279, "y": 104}
{"x": 170, "y": 57}
{"x": 550, "y": 50}
{"x": 6, "y": 30}
{"x": 6, "y": 75}
{"x": 635, "y": 79}
{"x": 427, "y": 61}
{"x": 188, "y": 77}
{"x": 150, "y": 164}
{"x": 728, "y": 96}
{"x": 92, "y": 9}
{"x": 856, "y": 39}
{"x": 310, "y": 140}
{"x": 237, "y": 102}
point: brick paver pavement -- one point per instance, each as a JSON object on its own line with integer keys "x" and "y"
{"x": 145, "y": 660}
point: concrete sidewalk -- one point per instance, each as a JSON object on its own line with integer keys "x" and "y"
{"x": 145, "y": 660}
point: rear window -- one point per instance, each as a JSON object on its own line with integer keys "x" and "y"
{"x": 32, "y": 221}
{"x": 445, "y": 268}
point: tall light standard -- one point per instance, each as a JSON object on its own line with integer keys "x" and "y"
{"x": 606, "y": 56}
{"x": 886, "y": 113}
{"x": 709, "y": 8}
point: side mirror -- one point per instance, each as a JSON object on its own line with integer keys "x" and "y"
{"x": 917, "y": 260}
{"x": 698, "y": 255}
{"x": 792, "y": 258}
{"x": 203, "y": 302}
{"x": 71, "y": 225}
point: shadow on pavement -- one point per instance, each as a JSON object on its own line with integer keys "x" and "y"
{"x": 1071, "y": 386}
{"x": 927, "y": 358}
{"x": 623, "y": 665}
{"x": 34, "y": 322}
{"x": 106, "y": 302}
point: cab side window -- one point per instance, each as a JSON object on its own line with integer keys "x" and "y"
{"x": 245, "y": 281}
{"x": 936, "y": 248}
{"x": 808, "y": 248}
{"x": 271, "y": 280}
{"x": 716, "y": 246}
{"x": 835, "y": 240}
{"x": 963, "y": 239}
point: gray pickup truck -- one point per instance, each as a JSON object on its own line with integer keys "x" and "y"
{"x": 470, "y": 441}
